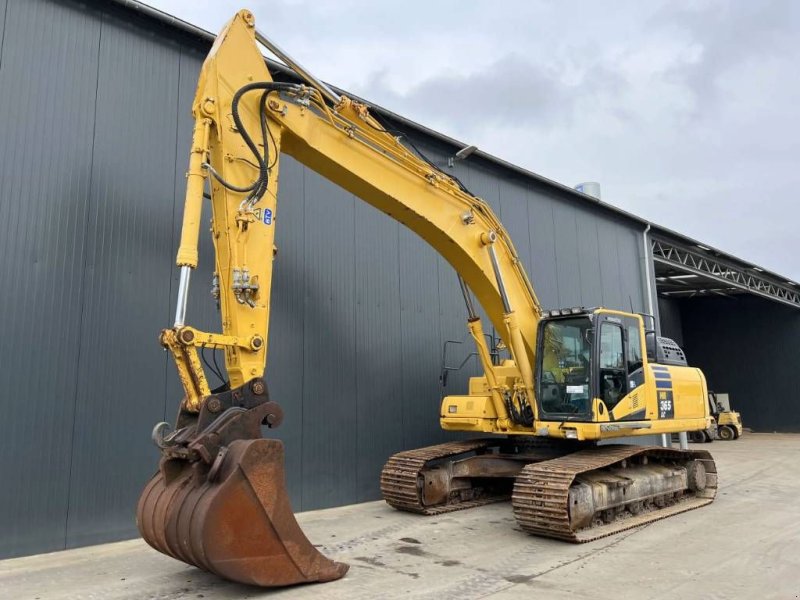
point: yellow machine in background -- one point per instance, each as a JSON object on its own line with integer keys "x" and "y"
{"x": 729, "y": 422}
{"x": 726, "y": 423}
{"x": 572, "y": 377}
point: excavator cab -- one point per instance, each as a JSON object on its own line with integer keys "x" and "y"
{"x": 594, "y": 367}
{"x": 585, "y": 355}
{"x": 598, "y": 373}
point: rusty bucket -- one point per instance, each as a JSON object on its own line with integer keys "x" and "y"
{"x": 231, "y": 517}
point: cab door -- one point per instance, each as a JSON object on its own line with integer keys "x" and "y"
{"x": 620, "y": 367}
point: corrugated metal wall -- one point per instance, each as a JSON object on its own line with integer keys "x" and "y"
{"x": 95, "y": 132}
{"x": 669, "y": 312}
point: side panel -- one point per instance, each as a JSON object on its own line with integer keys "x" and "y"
{"x": 3, "y": 9}
{"x": 329, "y": 361}
{"x": 629, "y": 250}
{"x": 379, "y": 410}
{"x": 568, "y": 263}
{"x": 669, "y": 311}
{"x": 514, "y": 201}
{"x": 590, "y": 260}
{"x": 544, "y": 265}
{"x": 420, "y": 340}
{"x": 613, "y": 295}
{"x": 48, "y": 79}
{"x": 122, "y": 369}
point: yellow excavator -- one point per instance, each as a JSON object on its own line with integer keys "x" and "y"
{"x": 572, "y": 378}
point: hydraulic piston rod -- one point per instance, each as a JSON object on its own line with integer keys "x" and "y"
{"x": 324, "y": 89}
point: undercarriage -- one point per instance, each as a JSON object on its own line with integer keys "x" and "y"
{"x": 574, "y": 491}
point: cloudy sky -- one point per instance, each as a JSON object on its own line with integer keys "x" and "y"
{"x": 687, "y": 112}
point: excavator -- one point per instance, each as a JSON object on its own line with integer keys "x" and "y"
{"x": 569, "y": 381}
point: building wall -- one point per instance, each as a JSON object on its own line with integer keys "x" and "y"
{"x": 669, "y": 311}
{"x": 747, "y": 347}
{"x": 94, "y": 110}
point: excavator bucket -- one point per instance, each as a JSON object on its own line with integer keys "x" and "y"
{"x": 231, "y": 517}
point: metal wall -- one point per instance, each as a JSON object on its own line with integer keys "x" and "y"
{"x": 747, "y": 347}
{"x": 95, "y": 135}
{"x": 669, "y": 312}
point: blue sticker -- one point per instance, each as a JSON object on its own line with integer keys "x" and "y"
{"x": 267, "y": 216}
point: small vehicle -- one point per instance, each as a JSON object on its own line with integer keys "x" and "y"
{"x": 727, "y": 423}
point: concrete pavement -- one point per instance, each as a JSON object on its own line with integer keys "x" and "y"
{"x": 746, "y": 544}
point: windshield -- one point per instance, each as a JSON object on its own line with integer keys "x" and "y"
{"x": 564, "y": 366}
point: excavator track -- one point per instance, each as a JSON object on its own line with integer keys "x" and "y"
{"x": 401, "y": 477}
{"x": 406, "y": 476}
{"x": 541, "y": 496}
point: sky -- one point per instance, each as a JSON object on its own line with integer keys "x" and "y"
{"x": 686, "y": 111}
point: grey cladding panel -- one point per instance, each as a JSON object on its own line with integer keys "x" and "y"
{"x": 514, "y": 200}
{"x": 420, "y": 339}
{"x": 329, "y": 367}
{"x": 610, "y": 268}
{"x": 629, "y": 251}
{"x": 568, "y": 266}
{"x": 122, "y": 370}
{"x": 590, "y": 266}
{"x": 669, "y": 313}
{"x": 47, "y": 103}
{"x": 485, "y": 185}
{"x": 379, "y": 409}
{"x": 543, "y": 263}
{"x": 3, "y": 7}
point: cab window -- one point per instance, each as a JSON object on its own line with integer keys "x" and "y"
{"x": 564, "y": 367}
{"x": 613, "y": 367}
{"x": 635, "y": 363}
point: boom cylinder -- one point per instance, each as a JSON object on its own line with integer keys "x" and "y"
{"x": 512, "y": 325}
{"x": 195, "y": 184}
{"x": 476, "y": 330}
